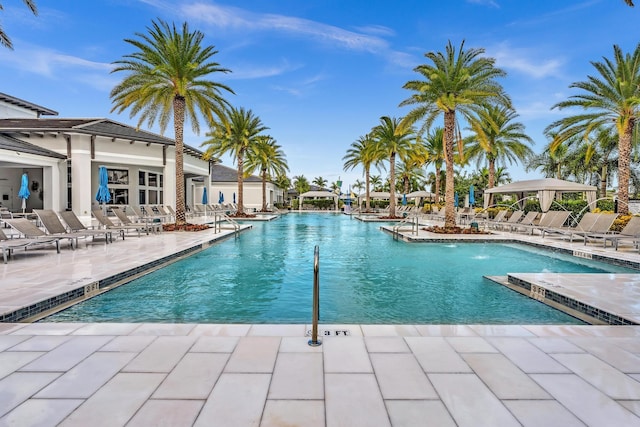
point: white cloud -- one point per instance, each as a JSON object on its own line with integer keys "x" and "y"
{"x": 490, "y": 3}
{"x": 523, "y": 61}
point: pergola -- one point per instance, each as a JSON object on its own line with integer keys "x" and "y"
{"x": 319, "y": 194}
{"x": 546, "y": 189}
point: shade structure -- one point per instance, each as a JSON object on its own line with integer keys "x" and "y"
{"x": 205, "y": 198}
{"x": 24, "y": 191}
{"x": 317, "y": 194}
{"x": 472, "y": 196}
{"x": 455, "y": 199}
{"x": 103, "y": 196}
{"x": 546, "y": 190}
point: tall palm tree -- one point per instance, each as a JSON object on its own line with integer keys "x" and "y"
{"x": 393, "y": 141}
{"x": 235, "y": 135}
{"x": 498, "y": 138}
{"x": 612, "y": 98}
{"x": 284, "y": 183}
{"x": 319, "y": 181}
{"x": 167, "y": 81}
{"x": 266, "y": 156}
{"x": 362, "y": 152}
{"x": 4, "y": 38}
{"x": 550, "y": 162}
{"x": 455, "y": 81}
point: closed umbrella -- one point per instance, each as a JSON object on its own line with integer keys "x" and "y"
{"x": 404, "y": 200}
{"x": 205, "y": 200}
{"x": 24, "y": 191}
{"x": 103, "y": 196}
{"x": 234, "y": 198}
{"x": 455, "y": 199}
{"x": 472, "y": 197}
{"x": 220, "y": 197}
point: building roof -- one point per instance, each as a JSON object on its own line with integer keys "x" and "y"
{"x": 221, "y": 173}
{"x": 13, "y": 144}
{"x": 41, "y": 111}
{"x": 95, "y": 126}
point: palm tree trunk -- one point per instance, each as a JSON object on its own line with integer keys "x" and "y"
{"x": 240, "y": 161}
{"x": 492, "y": 177}
{"x": 624, "y": 159}
{"x": 178, "y": 125}
{"x": 437, "y": 185}
{"x": 367, "y": 178}
{"x": 449, "y": 127}
{"x": 406, "y": 185}
{"x": 603, "y": 181}
{"x": 264, "y": 190}
{"x": 392, "y": 186}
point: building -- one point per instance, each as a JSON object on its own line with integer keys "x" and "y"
{"x": 62, "y": 156}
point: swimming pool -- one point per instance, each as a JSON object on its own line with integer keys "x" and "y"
{"x": 266, "y": 276}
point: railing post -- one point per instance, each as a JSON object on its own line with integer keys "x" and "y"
{"x": 314, "y": 342}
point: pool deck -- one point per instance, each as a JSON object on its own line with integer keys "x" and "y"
{"x": 266, "y": 375}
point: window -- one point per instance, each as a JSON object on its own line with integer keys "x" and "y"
{"x": 119, "y": 196}
{"x": 150, "y": 188}
{"x": 118, "y": 176}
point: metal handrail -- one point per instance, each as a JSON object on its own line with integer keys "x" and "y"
{"x": 226, "y": 218}
{"x": 414, "y": 218}
{"x": 314, "y": 341}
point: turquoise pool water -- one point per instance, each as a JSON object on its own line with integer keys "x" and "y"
{"x": 266, "y": 276}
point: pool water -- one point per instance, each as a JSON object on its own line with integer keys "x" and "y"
{"x": 266, "y": 276}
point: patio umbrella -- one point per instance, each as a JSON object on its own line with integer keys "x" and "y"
{"x": 24, "y": 191}
{"x": 103, "y": 196}
{"x": 234, "y": 197}
{"x": 472, "y": 197}
{"x": 404, "y": 200}
{"x": 220, "y": 197}
{"x": 455, "y": 199}
{"x": 205, "y": 200}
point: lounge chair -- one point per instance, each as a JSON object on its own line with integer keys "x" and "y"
{"x": 8, "y": 245}
{"x": 171, "y": 212}
{"x": 147, "y": 215}
{"x": 551, "y": 220}
{"x": 74, "y": 224}
{"x": 27, "y": 229}
{"x": 630, "y": 232}
{"x": 525, "y": 223}
{"x": 109, "y": 225}
{"x": 602, "y": 225}
{"x": 126, "y": 221}
{"x": 586, "y": 223}
{"x": 497, "y": 220}
{"x": 54, "y": 227}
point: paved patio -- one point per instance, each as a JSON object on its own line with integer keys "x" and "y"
{"x": 110, "y": 374}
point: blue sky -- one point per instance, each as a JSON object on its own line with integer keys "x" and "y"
{"x": 318, "y": 73}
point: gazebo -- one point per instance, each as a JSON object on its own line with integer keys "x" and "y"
{"x": 319, "y": 194}
{"x": 546, "y": 189}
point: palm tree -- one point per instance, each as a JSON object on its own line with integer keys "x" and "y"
{"x": 498, "y": 138}
{"x": 550, "y": 162}
{"x": 284, "y": 183}
{"x": 376, "y": 182}
{"x": 235, "y": 135}
{"x": 358, "y": 185}
{"x": 319, "y": 181}
{"x": 610, "y": 99}
{"x": 392, "y": 141}
{"x": 362, "y": 152}
{"x": 267, "y": 156}
{"x": 455, "y": 81}
{"x": 409, "y": 174}
{"x": 301, "y": 184}
{"x": 434, "y": 146}
{"x": 167, "y": 75}
{"x": 4, "y": 38}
